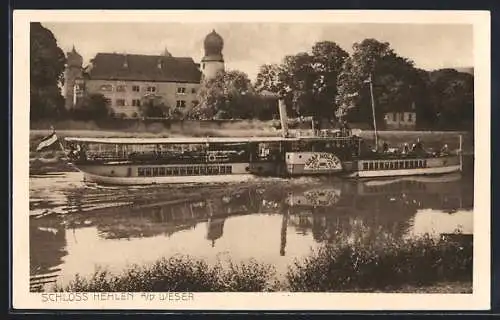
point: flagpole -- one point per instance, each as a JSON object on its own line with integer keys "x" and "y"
{"x": 373, "y": 112}
{"x": 60, "y": 143}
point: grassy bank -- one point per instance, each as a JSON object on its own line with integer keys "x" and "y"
{"x": 420, "y": 265}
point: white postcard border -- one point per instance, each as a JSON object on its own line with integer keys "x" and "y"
{"x": 479, "y": 300}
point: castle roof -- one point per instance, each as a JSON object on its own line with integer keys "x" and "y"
{"x": 115, "y": 66}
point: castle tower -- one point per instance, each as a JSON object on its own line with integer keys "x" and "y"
{"x": 213, "y": 61}
{"x": 72, "y": 74}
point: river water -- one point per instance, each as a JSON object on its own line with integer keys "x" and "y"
{"x": 76, "y": 227}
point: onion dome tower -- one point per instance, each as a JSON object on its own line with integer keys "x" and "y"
{"x": 72, "y": 73}
{"x": 213, "y": 61}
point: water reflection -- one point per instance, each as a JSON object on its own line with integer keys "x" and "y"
{"x": 273, "y": 222}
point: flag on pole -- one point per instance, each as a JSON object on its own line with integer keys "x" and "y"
{"x": 47, "y": 141}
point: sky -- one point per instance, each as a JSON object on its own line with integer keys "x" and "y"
{"x": 249, "y": 45}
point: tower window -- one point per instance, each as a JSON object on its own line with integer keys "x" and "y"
{"x": 181, "y": 90}
{"x": 181, "y": 104}
{"x": 136, "y": 89}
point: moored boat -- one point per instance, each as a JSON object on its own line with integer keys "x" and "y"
{"x": 145, "y": 161}
{"x": 130, "y": 161}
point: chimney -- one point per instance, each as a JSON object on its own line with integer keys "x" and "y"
{"x": 283, "y": 116}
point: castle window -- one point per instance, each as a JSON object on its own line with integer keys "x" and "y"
{"x": 394, "y": 116}
{"x": 181, "y": 90}
{"x": 106, "y": 87}
{"x": 120, "y": 88}
{"x": 136, "y": 102}
{"x": 181, "y": 104}
{"x": 120, "y": 102}
{"x": 193, "y": 91}
{"x": 151, "y": 89}
{"x": 410, "y": 117}
{"x": 136, "y": 89}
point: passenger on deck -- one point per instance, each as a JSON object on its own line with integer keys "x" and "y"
{"x": 444, "y": 149}
{"x": 385, "y": 147}
{"x": 418, "y": 147}
{"x": 406, "y": 148}
{"x": 346, "y": 131}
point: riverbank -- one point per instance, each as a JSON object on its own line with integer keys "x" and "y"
{"x": 423, "y": 265}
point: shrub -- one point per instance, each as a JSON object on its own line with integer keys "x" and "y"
{"x": 178, "y": 273}
{"x": 368, "y": 266}
{"x": 384, "y": 264}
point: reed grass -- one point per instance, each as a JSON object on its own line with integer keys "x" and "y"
{"x": 390, "y": 266}
{"x": 384, "y": 265}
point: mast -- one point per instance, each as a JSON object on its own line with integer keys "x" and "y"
{"x": 373, "y": 112}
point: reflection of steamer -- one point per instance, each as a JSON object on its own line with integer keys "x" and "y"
{"x": 369, "y": 209}
{"x": 427, "y": 193}
{"x": 147, "y": 218}
{"x": 315, "y": 198}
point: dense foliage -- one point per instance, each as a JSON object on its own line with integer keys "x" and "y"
{"x": 230, "y": 95}
{"x": 385, "y": 264}
{"x": 47, "y": 63}
{"x": 325, "y": 83}
{"x": 90, "y": 107}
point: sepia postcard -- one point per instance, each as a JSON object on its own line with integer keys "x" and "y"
{"x": 251, "y": 160}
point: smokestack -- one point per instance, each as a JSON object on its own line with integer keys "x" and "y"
{"x": 283, "y": 116}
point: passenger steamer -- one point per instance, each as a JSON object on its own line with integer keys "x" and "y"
{"x": 127, "y": 161}
{"x": 131, "y": 161}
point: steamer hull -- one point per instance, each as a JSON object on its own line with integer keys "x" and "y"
{"x": 406, "y": 167}
{"x": 147, "y": 174}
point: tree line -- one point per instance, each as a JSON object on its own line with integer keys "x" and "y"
{"x": 326, "y": 83}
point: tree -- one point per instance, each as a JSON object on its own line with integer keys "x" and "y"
{"x": 308, "y": 79}
{"x": 328, "y": 59}
{"x": 229, "y": 95}
{"x": 92, "y": 107}
{"x": 395, "y": 81}
{"x": 452, "y": 98}
{"x": 271, "y": 77}
{"x": 154, "y": 107}
{"x": 47, "y": 63}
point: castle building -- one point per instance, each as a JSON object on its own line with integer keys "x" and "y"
{"x": 128, "y": 81}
